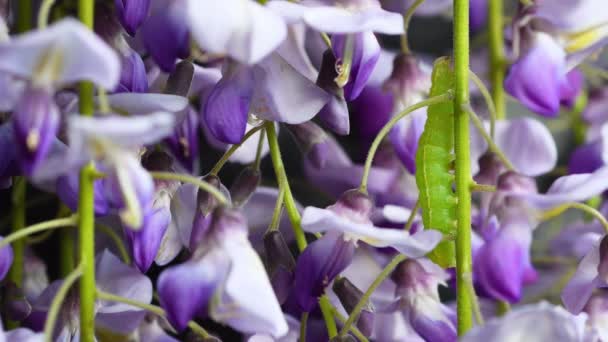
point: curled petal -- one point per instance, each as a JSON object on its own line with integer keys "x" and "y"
{"x": 318, "y": 265}
{"x": 536, "y": 78}
{"x": 35, "y": 125}
{"x": 365, "y": 55}
{"x": 582, "y": 284}
{"x": 166, "y": 35}
{"x": 131, "y": 13}
{"x": 185, "y": 290}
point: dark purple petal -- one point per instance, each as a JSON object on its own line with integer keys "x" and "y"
{"x": 145, "y": 243}
{"x": 227, "y": 107}
{"x": 538, "y": 76}
{"x": 166, "y": 36}
{"x": 35, "y": 123}
{"x": 185, "y": 290}
{"x": 586, "y": 158}
{"x": 133, "y": 77}
{"x": 8, "y": 162}
{"x": 365, "y": 55}
{"x": 370, "y": 112}
{"x": 6, "y": 260}
{"x": 318, "y": 265}
{"x": 131, "y": 13}
{"x": 184, "y": 140}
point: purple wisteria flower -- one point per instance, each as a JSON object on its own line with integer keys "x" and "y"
{"x": 50, "y": 59}
{"x": 210, "y": 283}
{"x": 131, "y": 13}
{"x": 549, "y": 40}
{"x": 346, "y": 222}
{"x": 6, "y": 260}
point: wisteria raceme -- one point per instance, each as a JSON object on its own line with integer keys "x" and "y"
{"x": 258, "y": 170}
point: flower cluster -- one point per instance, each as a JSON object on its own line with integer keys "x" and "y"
{"x": 254, "y": 170}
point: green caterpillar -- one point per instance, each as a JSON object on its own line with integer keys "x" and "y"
{"x": 433, "y": 166}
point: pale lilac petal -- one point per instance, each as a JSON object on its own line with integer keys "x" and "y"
{"x": 571, "y": 188}
{"x": 404, "y": 138}
{"x": 246, "y": 153}
{"x": 82, "y": 55}
{"x": 582, "y": 284}
{"x": 251, "y": 317}
{"x": 117, "y": 278}
{"x": 147, "y": 103}
{"x": 22, "y": 335}
{"x": 528, "y": 144}
{"x": 258, "y": 211}
{"x": 341, "y": 20}
{"x": 318, "y": 220}
{"x": 534, "y": 322}
{"x": 282, "y": 94}
{"x": 183, "y": 208}
{"x": 170, "y": 246}
{"x": 124, "y": 131}
{"x": 294, "y": 52}
{"x": 567, "y": 16}
{"x": 427, "y": 8}
{"x": 243, "y": 29}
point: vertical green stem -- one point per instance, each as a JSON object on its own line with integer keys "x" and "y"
{"x": 86, "y": 214}
{"x": 24, "y": 16}
{"x": 294, "y": 216}
{"x": 463, "y": 166}
{"x": 497, "y": 55}
{"x": 18, "y": 222}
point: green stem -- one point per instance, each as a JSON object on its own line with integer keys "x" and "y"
{"x": 476, "y": 187}
{"x": 86, "y": 210}
{"x": 354, "y": 315}
{"x": 18, "y": 220}
{"x": 258, "y": 151}
{"x": 553, "y": 212}
{"x": 294, "y": 215}
{"x": 53, "y": 313}
{"x": 86, "y": 226}
{"x": 353, "y": 329}
{"x": 497, "y": 55}
{"x": 218, "y": 166}
{"x": 279, "y": 169}
{"x": 489, "y": 102}
{"x": 407, "y": 17}
{"x": 387, "y": 128}
{"x": 39, "y": 227}
{"x": 157, "y": 310}
{"x": 303, "y": 324}
{"x": 66, "y": 252}
{"x": 491, "y": 144}
{"x": 43, "y": 13}
{"x": 190, "y": 179}
{"x": 410, "y": 220}
{"x": 465, "y": 296}
{"x": 330, "y": 323}
{"x": 278, "y": 210}
{"x": 24, "y": 15}
{"x": 502, "y": 308}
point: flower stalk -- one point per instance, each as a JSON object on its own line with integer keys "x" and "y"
{"x": 497, "y": 55}
{"x": 464, "y": 268}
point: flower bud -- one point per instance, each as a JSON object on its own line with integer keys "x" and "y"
{"x": 281, "y": 264}
{"x": 355, "y": 205}
{"x": 408, "y": 82}
{"x": 133, "y": 77}
{"x": 244, "y": 185}
{"x": 349, "y": 296}
{"x": 183, "y": 143}
{"x": 312, "y": 140}
{"x": 205, "y": 204}
{"x": 513, "y": 182}
{"x": 180, "y": 79}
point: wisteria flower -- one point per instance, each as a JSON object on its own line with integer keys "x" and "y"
{"x": 50, "y": 59}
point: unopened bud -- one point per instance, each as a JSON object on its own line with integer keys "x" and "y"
{"x": 245, "y": 185}
{"x": 312, "y": 140}
{"x": 180, "y": 79}
{"x": 349, "y": 296}
{"x": 281, "y": 264}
